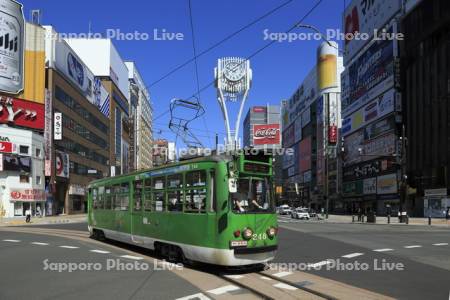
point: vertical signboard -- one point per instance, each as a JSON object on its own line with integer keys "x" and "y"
{"x": 57, "y": 122}
{"x": 62, "y": 167}
{"x": 12, "y": 46}
{"x": 48, "y": 133}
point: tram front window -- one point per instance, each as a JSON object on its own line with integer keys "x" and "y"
{"x": 253, "y": 195}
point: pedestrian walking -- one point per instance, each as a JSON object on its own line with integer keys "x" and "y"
{"x": 28, "y": 215}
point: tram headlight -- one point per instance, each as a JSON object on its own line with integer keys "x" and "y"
{"x": 271, "y": 232}
{"x": 247, "y": 233}
{"x": 237, "y": 233}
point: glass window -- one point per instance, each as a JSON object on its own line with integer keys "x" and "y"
{"x": 23, "y": 149}
{"x": 159, "y": 183}
{"x": 147, "y": 201}
{"x": 38, "y": 179}
{"x": 38, "y": 152}
{"x": 175, "y": 200}
{"x": 196, "y": 178}
{"x": 196, "y": 200}
{"x": 108, "y": 197}
{"x": 253, "y": 195}
{"x": 138, "y": 195}
{"x": 24, "y": 179}
{"x": 158, "y": 201}
{"x": 175, "y": 181}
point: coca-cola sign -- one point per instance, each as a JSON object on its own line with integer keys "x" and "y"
{"x": 266, "y": 134}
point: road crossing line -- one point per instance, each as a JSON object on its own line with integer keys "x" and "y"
{"x": 351, "y": 255}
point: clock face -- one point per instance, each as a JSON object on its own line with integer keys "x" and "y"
{"x": 234, "y": 71}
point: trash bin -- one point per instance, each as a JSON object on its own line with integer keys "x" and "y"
{"x": 371, "y": 217}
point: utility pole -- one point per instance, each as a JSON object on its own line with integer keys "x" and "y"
{"x": 403, "y": 188}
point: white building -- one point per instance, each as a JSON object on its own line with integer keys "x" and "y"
{"x": 140, "y": 98}
{"x": 22, "y": 181}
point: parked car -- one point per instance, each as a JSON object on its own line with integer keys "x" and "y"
{"x": 284, "y": 210}
{"x": 300, "y": 213}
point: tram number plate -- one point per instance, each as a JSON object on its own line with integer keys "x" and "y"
{"x": 234, "y": 244}
{"x": 260, "y": 236}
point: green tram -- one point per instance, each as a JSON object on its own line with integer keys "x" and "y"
{"x": 216, "y": 209}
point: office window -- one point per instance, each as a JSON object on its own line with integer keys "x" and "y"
{"x": 23, "y": 149}
{"x": 38, "y": 152}
{"x": 38, "y": 179}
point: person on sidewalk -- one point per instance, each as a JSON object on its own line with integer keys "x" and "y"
{"x": 28, "y": 215}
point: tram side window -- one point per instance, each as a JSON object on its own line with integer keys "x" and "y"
{"x": 158, "y": 201}
{"x": 159, "y": 183}
{"x": 137, "y": 195}
{"x": 124, "y": 196}
{"x": 148, "y": 195}
{"x": 107, "y": 197}
{"x": 94, "y": 199}
{"x": 196, "y": 179}
{"x": 196, "y": 192}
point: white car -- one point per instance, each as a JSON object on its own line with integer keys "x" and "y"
{"x": 284, "y": 210}
{"x": 300, "y": 213}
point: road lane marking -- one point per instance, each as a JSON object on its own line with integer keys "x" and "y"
{"x": 12, "y": 241}
{"x": 440, "y": 244}
{"x": 413, "y": 246}
{"x": 383, "y": 250}
{"x": 199, "y": 296}
{"x": 234, "y": 276}
{"x": 282, "y": 274}
{"x": 351, "y": 255}
{"x": 69, "y": 247}
{"x": 319, "y": 264}
{"x": 132, "y": 257}
{"x": 285, "y": 286}
{"x": 265, "y": 278}
{"x": 224, "y": 289}
{"x": 40, "y": 243}
{"x": 100, "y": 251}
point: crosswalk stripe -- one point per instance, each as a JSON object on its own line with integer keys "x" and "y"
{"x": 351, "y": 255}
{"x": 12, "y": 241}
{"x": 412, "y": 246}
{"x": 100, "y": 251}
{"x": 69, "y": 247}
{"x": 132, "y": 257}
{"x": 383, "y": 250}
{"x": 224, "y": 289}
{"x": 39, "y": 243}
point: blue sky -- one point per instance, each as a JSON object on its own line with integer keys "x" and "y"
{"x": 277, "y": 70}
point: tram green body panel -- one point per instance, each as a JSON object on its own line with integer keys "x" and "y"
{"x": 213, "y": 229}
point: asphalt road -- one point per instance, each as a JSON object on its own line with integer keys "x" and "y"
{"x": 423, "y": 252}
{"x": 29, "y": 265}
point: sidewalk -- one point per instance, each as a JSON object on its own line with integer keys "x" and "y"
{"x": 44, "y": 220}
{"x": 384, "y": 220}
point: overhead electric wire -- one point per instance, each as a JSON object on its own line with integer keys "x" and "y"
{"x": 196, "y": 69}
{"x": 215, "y": 45}
{"x": 310, "y": 11}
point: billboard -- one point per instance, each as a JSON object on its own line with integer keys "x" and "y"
{"x": 268, "y": 134}
{"x": 370, "y": 186}
{"x": 22, "y": 113}
{"x": 62, "y": 164}
{"x": 12, "y": 41}
{"x": 380, "y": 127}
{"x": 34, "y": 66}
{"x": 327, "y": 65}
{"x": 48, "y": 133}
{"x": 364, "y": 17}
{"x": 381, "y": 146}
{"x": 57, "y": 123}
{"x": 259, "y": 109}
{"x": 370, "y": 74}
{"x": 352, "y": 144}
{"x": 305, "y": 154}
{"x": 27, "y": 195}
{"x": 381, "y": 106}
{"x": 367, "y": 169}
{"x": 387, "y": 184}
{"x": 298, "y": 129}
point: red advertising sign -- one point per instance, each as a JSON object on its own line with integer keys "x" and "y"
{"x": 259, "y": 109}
{"x": 332, "y": 134}
{"x": 27, "y": 195}
{"x": 266, "y": 134}
{"x": 6, "y": 147}
{"x": 21, "y": 112}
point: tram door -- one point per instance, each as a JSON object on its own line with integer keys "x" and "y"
{"x": 136, "y": 212}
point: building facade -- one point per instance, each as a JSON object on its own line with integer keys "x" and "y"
{"x": 101, "y": 56}
{"x": 142, "y": 139}
{"x": 425, "y": 54}
{"x": 163, "y": 152}
{"x": 262, "y": 127}
{"x": 310, "y": 126}
{"x": 22, "y": 118}
{"x": 371, "y": 111}
{"x": 79, "y": 143}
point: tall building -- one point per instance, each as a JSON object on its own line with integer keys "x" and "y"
{"x": 79, "y": 145}
{"x": 22, "y": 115}
{"x": 425, "y": 56}
{"x": 371, "y": 111}
{"x": 310, "y": 126}
{"x": 262, "y": 127}
{"x": 142, "y": 139}
{"x": 101, "y": 56}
